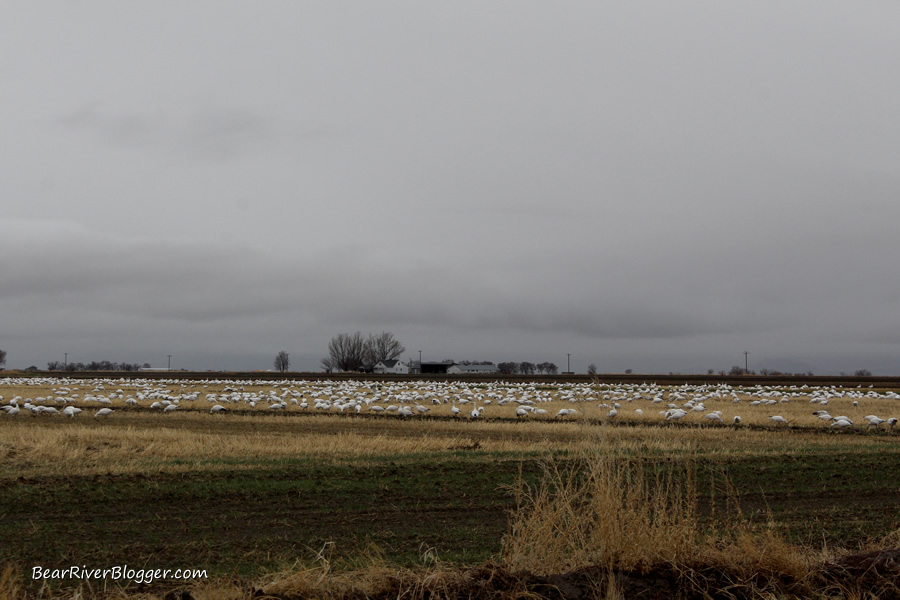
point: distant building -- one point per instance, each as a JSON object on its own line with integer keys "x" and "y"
{"x": 472, "y": 369}
{"x": 435, "y": 367}
{"x": 390, "y": 366}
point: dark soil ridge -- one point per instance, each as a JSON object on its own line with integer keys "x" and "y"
{"x": 874, "y": 574}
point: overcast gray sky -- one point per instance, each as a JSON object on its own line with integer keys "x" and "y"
{"x": 656, "y": 186}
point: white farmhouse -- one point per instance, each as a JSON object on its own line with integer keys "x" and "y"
{"x": 390, "y": 366}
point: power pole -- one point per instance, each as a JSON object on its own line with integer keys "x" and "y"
{"x": 170, "y": 361}
{"x": 746, "y": 363}
{"x": 568, "y": 367}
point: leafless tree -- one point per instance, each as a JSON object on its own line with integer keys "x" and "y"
{"x": 2, "y": 357}
{"x": 508, "y": 368}
{"x": 526, "y": 368}
{"x": 546, "y": 367}
{"x": 282, "y": 361}
{"x": 592, "y": 369}
{"x": 347, "y": 351}
{"x": 383, "y": 346}
{"x": 352, "y": 351}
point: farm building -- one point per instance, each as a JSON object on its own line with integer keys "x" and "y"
{"x": 390, "y": 366}
{"x": 435, "y": 367}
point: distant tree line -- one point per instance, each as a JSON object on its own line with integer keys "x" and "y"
{"x": 355, "y": 352}
{"x": 527, "y": 368}
{"x": 102, "y": 365}
{"x": 736, "y": 370}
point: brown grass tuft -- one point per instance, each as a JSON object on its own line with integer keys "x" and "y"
{"x": 636, "y": 517}
{"x": 603, "y": 509}
{"x": 10, "y": 583}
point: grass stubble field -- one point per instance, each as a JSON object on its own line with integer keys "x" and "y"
{"x": 331, "y": 502}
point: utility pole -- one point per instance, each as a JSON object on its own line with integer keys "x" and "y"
{"x": 568, "y": 367}
{"x": 420, "y": 362}
{"x": 65, "y": 361}
{"x": 170, "y": 361}
{"x": 746, "y": 364}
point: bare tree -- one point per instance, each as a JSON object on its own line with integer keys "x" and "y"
{"x": 592, "y": 369}
{"x": 2, "y": 357}
{"x": 282, "y": 361}
{"x": 383, "y": 346}
{"x": 347, "y": 351}
{"x": 546, "y": 367}
{"x": 552, "y": 368}
{"x": 508, "y": 368}
{"x": 526, "y": 368}
{"x": 351, "y": 351}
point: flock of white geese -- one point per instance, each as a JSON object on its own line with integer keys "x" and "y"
{"x": 102, "y": 398}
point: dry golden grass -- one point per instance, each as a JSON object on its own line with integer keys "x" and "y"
{"x": 151, "y": 442}
{"x": 132, "y": 440}
{"x": 603, "y": 510}
{"x": 10, "y": 584}
{"x": 622, "y": 514}
{"x": 36, "y": 447}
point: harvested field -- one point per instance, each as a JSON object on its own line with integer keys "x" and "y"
{"x": 322, "y": 502}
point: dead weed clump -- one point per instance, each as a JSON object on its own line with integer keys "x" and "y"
{"x": 10, "y": 583}
{"x": 642, "y": 519}
{"x": 603, "y": 510}
{"x": 376, "y": 578}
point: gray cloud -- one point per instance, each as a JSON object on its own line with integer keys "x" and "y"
{"x": 207, "y": 133}
{"x": 176, "y": 292}
{"x": 648, "y": 189}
